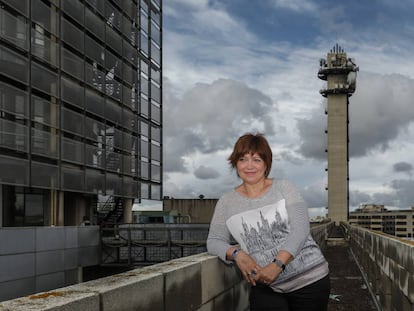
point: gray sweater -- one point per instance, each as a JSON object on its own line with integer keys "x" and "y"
{"x": 277, "y": 220}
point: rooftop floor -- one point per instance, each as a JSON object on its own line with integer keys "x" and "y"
{"x": 348, "y": 289}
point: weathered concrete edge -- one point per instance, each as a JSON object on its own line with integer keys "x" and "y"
{"x": 157, "y": 287}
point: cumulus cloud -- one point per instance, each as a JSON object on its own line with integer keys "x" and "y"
{"x": 205, "y": 172}
{"x": 378, "y": 111}
{"x": 403, "y": 167}
{"x": 209, "y": 117}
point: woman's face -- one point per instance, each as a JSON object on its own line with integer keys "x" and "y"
{"x": 251, "y": 168}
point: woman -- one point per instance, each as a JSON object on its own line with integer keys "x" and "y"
{"x": 269, "y": 219}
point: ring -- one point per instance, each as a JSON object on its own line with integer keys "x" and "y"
{"x": 251, "y": 273}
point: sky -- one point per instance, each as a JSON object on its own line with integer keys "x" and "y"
{"x": 237, "y": 66}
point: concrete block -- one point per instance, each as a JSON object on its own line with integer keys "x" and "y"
{"x": 49, "y": 261}
{"x": 70, "y": 258}
{"x": 88, "y": 236}
{"x": 49, "y": 238}
{"x": 212, "y": 282}
{"x": 139, "y": 289}
{"x": 411, "y": 287}
{"x": 225, "y": 301}
{"x": 89, "y": 256}
{"x": 66, "y": 299}
{"x": 16, "y": 241}
{"x": 182, "y": 286}
{"x": 403, "y": 277}
{"x": 403, "y": 254}
{"x": 50, "y": 281}
{"x": 17, "y": 266}
{"x": 9, "y": 290}
{"x": 241, "y": 296}
{"x": 71, "y": 237}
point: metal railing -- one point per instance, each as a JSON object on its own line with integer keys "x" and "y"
{"x": 146, "y": 244}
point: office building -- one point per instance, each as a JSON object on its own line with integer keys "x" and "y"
{"x": 80, "y": 108}
{"x": 399, "y": 223}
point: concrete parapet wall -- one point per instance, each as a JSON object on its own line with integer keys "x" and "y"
{"x": 198, "y": 282}
{"x": 388, "y": 265}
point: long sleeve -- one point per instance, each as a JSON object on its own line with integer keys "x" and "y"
{"x": 219, "y": 237}
{"x": 298, "y": 218}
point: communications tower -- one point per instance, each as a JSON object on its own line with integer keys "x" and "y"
{"x": 340, "y": 74}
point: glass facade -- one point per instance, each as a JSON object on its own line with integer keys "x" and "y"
{"x": 80, "y": 96}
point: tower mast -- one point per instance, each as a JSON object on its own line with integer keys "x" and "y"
{"x": 340, "y": 74}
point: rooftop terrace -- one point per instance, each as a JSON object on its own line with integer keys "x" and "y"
{"x": 369, "y": 271}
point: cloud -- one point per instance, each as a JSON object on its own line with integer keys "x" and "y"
{"x": 378, "y": 111}
{"x": 205, "y": 172}
{"x": 403, "y": 167}
{"x": 210, "y": 117}
{"x": 296, "y": 5}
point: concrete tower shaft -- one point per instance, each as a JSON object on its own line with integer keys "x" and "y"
{"x": 340, "y": 74}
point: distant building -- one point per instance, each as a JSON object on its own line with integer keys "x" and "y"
{"x": 399, "y": 223}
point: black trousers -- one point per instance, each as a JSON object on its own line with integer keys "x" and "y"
{"x": 313, "y": 297}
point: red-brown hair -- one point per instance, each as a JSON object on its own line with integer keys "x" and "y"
{"x": 251, "y": 144}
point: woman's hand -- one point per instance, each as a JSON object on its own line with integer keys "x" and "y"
{"x": 268, "y": 274}
{"x": 248, "y": 267}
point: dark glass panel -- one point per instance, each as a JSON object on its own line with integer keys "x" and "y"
{"x": 72, "y": 64}
{"x": 94, "y": 155}
{"x": 155, "y": 113}
{"x": 21, "y": 5}
{"x": 155, "y": 173}
{"x": 113, "y": 184}
{"x": 95, "y": 181}
{"x": 156, "y": 133}
{"x": 13, "y": 135}
{"x": 94, "y": 102}
{"x": 72, "y": 150}
{"x": 144, "y": 191}
{"x": 72, "y": 121}
{"x": 94, "y": 129}
{"x": 44, "y": 48}
{"x": 45, "y": 80}
{"x": 44, "y": 175}
{"x": 155, "y": 192}
{"x": 144, "y": 110}
{"x": 72, "y": 35}
{"x": 113, "y": 111}
{"x": 113, "y": 39}
{"x": 144, "y": 149}
{"x": 74, "y": 9}
{"x": 94, "y": 24}
{"x": 94, "y": 76}
{"x": 45, "y": 16}
{"x": 94, "y": 50}
{"x": 72, "y": 92}
{"x": 144, "y": 173}
{"x": 155, "y": 93}
{"x": 155, "y": 152}
{"x": 72, "y": 178}
{"x": 14, "y": 171}
{"x": 14, "y": 101}
{"x": 45, "y": 143}
{"x": 14, "y": 65}
{"x": 14, "y": 29}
